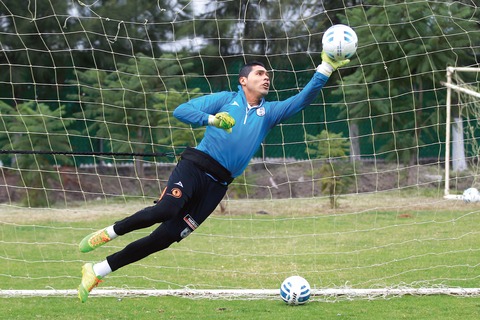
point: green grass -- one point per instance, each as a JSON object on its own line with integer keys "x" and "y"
{"x": 372, "y": 241}
{"x": 407, "y": 307}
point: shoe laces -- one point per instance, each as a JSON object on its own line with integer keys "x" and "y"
{"x": 99, "y": 238}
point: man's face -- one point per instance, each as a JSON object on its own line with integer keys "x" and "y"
{"x": 257, "y": 83}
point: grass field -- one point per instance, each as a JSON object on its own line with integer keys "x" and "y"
{"x": 371, "y": 241}
{"x": 407, "y": 307}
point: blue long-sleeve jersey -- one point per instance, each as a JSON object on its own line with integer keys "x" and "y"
{"x": 235, "y": 150}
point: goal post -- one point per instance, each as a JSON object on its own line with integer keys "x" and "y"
{"x": 248, "y": 294}
{"x": 457, "y": 124}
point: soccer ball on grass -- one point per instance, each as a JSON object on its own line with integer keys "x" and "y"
{"x": 471, "y": 195}
{"x": 295, "y": 290}
{"x": 340, "y": 42}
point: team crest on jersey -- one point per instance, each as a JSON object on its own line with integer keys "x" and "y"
{"x": 175, "y": 192}
{"x": 261, "y": 111}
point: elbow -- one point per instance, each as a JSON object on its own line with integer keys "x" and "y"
{"x": 177, "y": 113}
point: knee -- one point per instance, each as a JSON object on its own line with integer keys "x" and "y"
{"x": 163, "y": 237}
{"x": 165, "y": 210}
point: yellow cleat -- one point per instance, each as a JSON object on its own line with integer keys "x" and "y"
{"x": 89, "y": 281}
{"x": 94, "y": 240}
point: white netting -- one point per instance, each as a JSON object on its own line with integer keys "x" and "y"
{"x": 348, "y": 193}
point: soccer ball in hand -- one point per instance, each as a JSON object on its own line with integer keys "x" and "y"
{"x": 295, "y": 290}
{"x": 340, "y": 42}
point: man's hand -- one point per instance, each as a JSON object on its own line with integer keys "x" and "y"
{"x": 222, "y": 120}
{"x": 333, "y": 63}
{"x": 329, "y": 65}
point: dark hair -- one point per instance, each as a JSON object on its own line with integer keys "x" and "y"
{"x": 247, "y": 68}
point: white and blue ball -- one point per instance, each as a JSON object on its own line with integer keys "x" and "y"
{"x": 471, "y": 195}
{"x": 340, "y": 42}
{"x": 295, "y": 290}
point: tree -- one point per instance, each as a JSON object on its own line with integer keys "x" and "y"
{"x": 265, "y": 28}
{"x": 42, "y": 42}
{"x": 119, "y": 28}
{"x": 173, "y": 133}
{"x": 403, "y": 52}
{"x": 36, "y": 127}
{"x": 123, "y": 109}
{"x": 33, "y": 48}
{"x": 335, "y": 174}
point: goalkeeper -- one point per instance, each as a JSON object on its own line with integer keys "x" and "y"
{"x": 237, "y": 123}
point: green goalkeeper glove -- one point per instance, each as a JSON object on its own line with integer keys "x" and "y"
{"x": 329, "y": 65}
{"x": 222, "y": 120}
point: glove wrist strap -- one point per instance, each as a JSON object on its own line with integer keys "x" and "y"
{"x": 325, "y": 69}
{"x": 211, "y": 120}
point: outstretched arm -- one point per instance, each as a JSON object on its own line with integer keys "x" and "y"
{"x": 205, "y": 110}
{"x": 287, "y": 108}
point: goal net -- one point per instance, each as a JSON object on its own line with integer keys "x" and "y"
{"x": 347, "y": 194}
{"x": 462, "y": 132}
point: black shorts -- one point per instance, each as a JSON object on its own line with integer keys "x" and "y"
{"x": 190, "y": 196}
{"x": 195, "y": 193}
